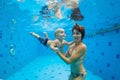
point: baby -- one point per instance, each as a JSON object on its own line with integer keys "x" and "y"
{"x": 56, "y": 44}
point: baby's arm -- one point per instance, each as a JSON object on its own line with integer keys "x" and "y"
{"x": 46, "y": 34}
{"x": 55, "y": 46}
{"x": 69, "y": 43}
{"x": 37, "y": 36}
{"x": 34, "y": 34}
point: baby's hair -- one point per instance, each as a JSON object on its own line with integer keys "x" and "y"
{"x": 57, "y": 31}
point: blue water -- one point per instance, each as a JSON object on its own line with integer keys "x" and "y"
{"x": 22, "y": 57}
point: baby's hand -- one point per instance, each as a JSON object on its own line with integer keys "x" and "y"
{"x": 31, "y": 33}
{"x": 55, "y": 49}
{"x": 46, "y": 35}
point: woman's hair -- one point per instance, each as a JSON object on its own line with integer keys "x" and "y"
{"x": 79, "y": 29}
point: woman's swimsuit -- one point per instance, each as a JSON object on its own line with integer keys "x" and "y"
{"x": 81, "y": 74}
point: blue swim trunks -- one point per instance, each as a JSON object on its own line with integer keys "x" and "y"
{"x": 43, "y": 41}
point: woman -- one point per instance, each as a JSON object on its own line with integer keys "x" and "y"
{"x": 76, "y": 54}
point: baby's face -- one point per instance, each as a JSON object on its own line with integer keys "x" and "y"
{"x": 61, "y": 34}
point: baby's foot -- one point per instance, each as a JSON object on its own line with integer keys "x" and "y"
{"x": 46, "y": 35}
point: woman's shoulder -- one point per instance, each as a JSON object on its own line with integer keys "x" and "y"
{"x": 83, "y": 46}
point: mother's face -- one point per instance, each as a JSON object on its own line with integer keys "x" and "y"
{"x": 76, "y": 35}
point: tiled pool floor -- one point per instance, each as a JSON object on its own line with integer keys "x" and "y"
{"x": 47, "y": 68}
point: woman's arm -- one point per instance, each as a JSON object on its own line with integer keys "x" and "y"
{"x": 74, "y": 55}
{"x": 53, "y": 46}
{"x": 67, "y": 53}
